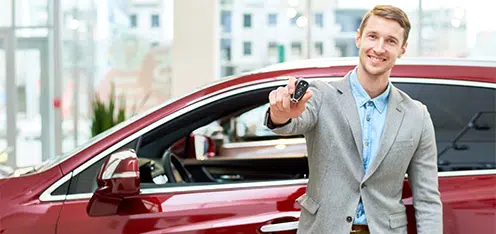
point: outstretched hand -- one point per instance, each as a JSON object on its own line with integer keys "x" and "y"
{"x": 281, "y": 107}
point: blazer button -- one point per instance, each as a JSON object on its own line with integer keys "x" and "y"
{"x": 349, "y": 219}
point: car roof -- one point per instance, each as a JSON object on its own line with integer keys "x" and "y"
{"x": 477, "y": 70}
{"x": 436, "y": 68}
{"x": 353, "y": 61}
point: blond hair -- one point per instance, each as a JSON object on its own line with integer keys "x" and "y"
{"x": 391, "y": 13}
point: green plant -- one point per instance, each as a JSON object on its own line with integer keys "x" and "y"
{"x": 103, "y": 115}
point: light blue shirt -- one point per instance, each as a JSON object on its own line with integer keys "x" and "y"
{"x": 372, "y": 114}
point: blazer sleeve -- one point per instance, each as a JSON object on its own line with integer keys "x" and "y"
{"x": 307, "y": 120}
{"x": 423, "y": 179}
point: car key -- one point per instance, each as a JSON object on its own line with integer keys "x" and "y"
{"x": 301, "y": 87}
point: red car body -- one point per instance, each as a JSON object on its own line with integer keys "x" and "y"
{"x": 27, "y": 206}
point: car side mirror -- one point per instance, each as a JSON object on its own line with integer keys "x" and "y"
{"x": 118, "y": 178}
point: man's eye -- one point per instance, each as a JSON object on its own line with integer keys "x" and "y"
{"x": 392, "y": 41}
{"x": 372, "y": 36}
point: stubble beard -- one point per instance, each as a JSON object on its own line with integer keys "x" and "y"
{"x": 372, "y": 73}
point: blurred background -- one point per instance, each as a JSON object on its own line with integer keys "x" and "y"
{"x": 57, "y": 56}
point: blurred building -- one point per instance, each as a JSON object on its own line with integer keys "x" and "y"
{"x": 485, "y": 45}
{"x": 256, "y": 33}
{"x": 151, "y": 20}
{"x": 67, "y": 52}
{"x": 443, "y": 34}
{"x": 138, "y": 63}
{"x": 56, "y": 55}
{"x": 348, "y": 21}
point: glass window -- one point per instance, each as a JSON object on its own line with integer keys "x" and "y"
{"x": 464, "y": 119}
{"x": 247, "y": 48}
{"x": 226, "y": 2}
{"x": 250, "y": 124}
{"x": 292, "y": 21}
{"x": 133, "y": 21}
{"x": 319, "y": 19}
{"x": 225, "y": 47}
{"x": 296, "y": 48}
{"x": 225, "y": 21}
{"x": 227, "y": 71}
{"x": 247, "y": 20}
{"x": 29, "y": 13}
{"x": 238, "y": 120}
{"x": 358, "y": 21}
{"x": 244, "y": 135}
{"x": 155, "y": 21}
{"x": 349, "y": 19}
{"x": 319, "y": 48}
{"x": 272, "y": 19}
{"x": 6, "y": 19}
{"x": 272, "y": 48}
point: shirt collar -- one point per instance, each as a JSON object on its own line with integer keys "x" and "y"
{"x": 362, "y": 97}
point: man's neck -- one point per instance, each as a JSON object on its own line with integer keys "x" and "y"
{"x": 373, "y": 85}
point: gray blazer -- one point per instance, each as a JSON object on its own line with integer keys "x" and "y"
{"x": 332, "y": 130}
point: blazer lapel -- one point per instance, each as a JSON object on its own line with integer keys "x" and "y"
{"x": 348, "y": 107}
{"x": 394, "y": 118}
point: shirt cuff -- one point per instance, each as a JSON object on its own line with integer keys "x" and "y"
{"x": 270, "y": 124}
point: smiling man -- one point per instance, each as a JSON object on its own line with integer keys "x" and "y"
{"x": 363, "y": 135}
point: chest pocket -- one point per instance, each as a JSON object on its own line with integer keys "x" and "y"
{"x": 402, "y": 145}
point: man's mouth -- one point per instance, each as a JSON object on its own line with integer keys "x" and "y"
{"x": 376, "y": 59}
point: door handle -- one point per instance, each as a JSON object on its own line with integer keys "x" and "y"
{"x": 279, "y": 227}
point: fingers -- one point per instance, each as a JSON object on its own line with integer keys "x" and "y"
{"x": 277, "y": 104}
{"x": 307, "y": 96}
{"x": 282, "y": 99}
{"x": 273, "y": 98}
{"x": 279, "y": 99}
{"x": 286, "y": 101}
{"x": 291, "y": 84}
{"x": 302, "y": 103}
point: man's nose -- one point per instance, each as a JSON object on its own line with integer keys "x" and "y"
{"x": 379, "y": 47}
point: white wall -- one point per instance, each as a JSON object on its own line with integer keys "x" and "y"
{"x": 195, "y": 46}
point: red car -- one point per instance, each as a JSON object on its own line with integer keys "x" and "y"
{"x": 156, "y": 173}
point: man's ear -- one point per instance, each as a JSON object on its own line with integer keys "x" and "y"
{"x": 403, "y": 50}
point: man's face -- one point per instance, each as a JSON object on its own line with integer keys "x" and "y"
{"x": 379, "y": 45}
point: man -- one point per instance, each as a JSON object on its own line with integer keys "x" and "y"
{"x": 363, "y": 135}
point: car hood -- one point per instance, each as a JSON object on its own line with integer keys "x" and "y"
{"x": 5, "y": 171}
{"x": 27, "y": 186}
{"x": 8, "y": 172}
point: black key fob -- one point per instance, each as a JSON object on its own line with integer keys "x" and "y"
{"x": 301, "y": 87}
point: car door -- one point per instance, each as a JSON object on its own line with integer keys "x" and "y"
{"x": 255, "y": 206}
{"x": 463, "y": 114}
{"x": 240, "y": 208}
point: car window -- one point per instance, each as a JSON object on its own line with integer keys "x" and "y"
{"x": 243, "y": 134}
{"x": 249, "y": 125}
{"x": 237, "y": 130}
{"x": 463, "y": 117}
{"x": 215, "y": 120}
{"x": 464, "y": 120}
